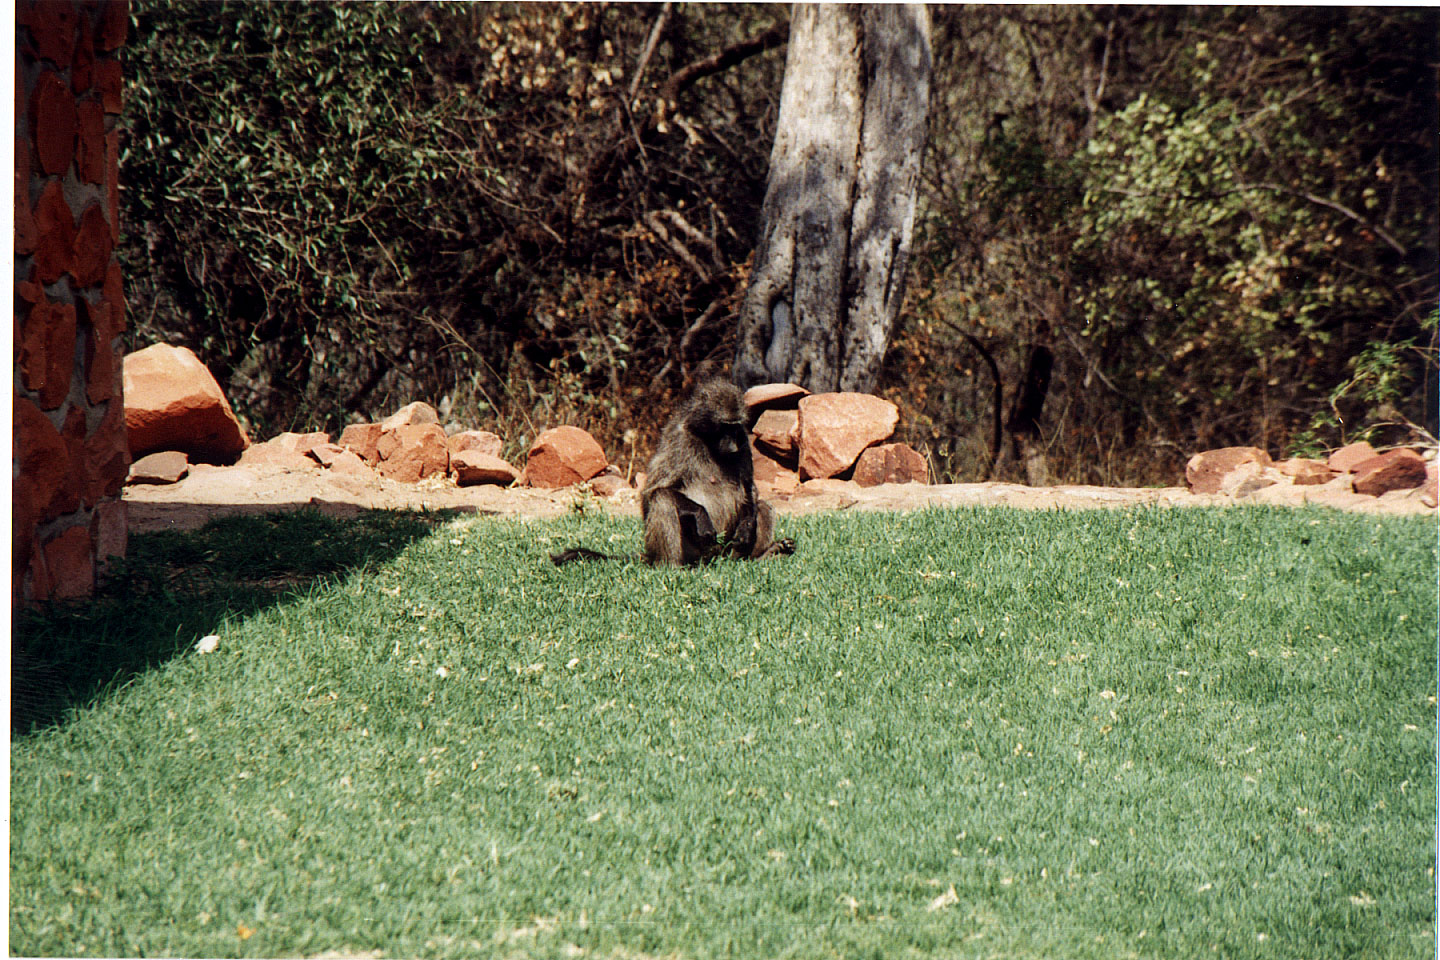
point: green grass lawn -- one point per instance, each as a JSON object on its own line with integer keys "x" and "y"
{"x": 960, "y": 733}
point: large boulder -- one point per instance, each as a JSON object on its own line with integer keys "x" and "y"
{"x": 834, "y": 427}
{"x": 563, "y": 456}
{"x": 173, "y": 403}
{"x": 1207, "y": 472}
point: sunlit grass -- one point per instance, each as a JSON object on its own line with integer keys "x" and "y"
{"x": 972, "y": 733}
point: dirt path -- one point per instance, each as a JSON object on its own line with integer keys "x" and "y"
{"x": 209, "y": 492}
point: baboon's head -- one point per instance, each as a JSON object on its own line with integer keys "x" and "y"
{"x": 716, "y": 415}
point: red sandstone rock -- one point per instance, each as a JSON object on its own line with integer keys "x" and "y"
{"x": 107, "y": 452}
{"x": 411, "y": 413}
{"x": 52, "y": 28}
{"x": 1303, "y": 472}
{"x": 114, "y": 295}
{"x": 114, "y": 21}
{"x": 52, "y": 123}
{"x": 362, "y": 438}
{"x": 44, "y": 484}
{"x": 1206, "y": 472}
{"x": 473, "y": 466}
{"x": 167, "y": 466}
{"x": 776, "y": 434}
{"x": 47, "y": 352}
{"x": 562, "y": 456}
{"x": 348, "y": 463}
{"x": 26, "y": 232}
{"x": 173, "y": 403}
{"x": 325, "y": 453}
{"x": 1430, "y": 496}
{"x": 107, "y": 79}
{"x": 82, "y": 62}
{"x": 112, "y": 183}
{"x": 1344, "y": 459}
{"x": 479, "y": 440}
{"x": 72, "y": 433}
{"x": 608, "y": 484}
{"x": 772, "y": 396}
{"x": 890, "y": 463}
{"x": 90, "y": 158}
{"x": 71, "y": 562}
{"x": 288, "y": 450}
{"x": 419, "y": 452}
{"x": 109, "y": 532}
{"x": 766, "y": 468}
{"x": 835, "y": 427}
{"x": 1392, "y": 470}
{"x": 92, "y": 248}
{"x": 55, "y": 234}
{"x": 102, "y": 371}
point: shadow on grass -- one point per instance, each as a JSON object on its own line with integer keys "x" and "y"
{"x": 173, "y": 588}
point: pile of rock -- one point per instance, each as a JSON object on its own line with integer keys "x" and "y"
{"x": 176, "y": 414}
{"x": 799, "y": 436}
{"x": 1245, "y": 472}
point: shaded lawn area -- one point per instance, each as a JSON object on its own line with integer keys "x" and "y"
{"x": 946, "y": 733}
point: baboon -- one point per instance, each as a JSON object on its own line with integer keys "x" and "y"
{"x": 699, "y": 500}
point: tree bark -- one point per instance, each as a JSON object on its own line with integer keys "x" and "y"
{"x": 829, "y": 270}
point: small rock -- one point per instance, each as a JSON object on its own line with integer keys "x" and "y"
{"x": 289, "y": 450}
{"x": 167, "y": 466}
{"x": 835, "y": 427}
{"x": 562, "y": 456}
{"x": 413, "y": 452}
{"x": 776, "y": 434}
{"x": 772, "y": 396}
{"x": 348, "y": 463}
{"x": 325, "y": 453}
{"x": 1430, "y": 495}
{"x": 1393, "y": 470}
{"x": 607, "y": 485}
{"x": 1303, "y": 472}
{"x": 1206, "y": 471}
{"x": 363, "y": 439}
{"x": 1345, "y": 459}
{"x": 481, "y": 440}
{"x": 472, "y": 467}
{"x": 412, "y": 414}
{"x": 890, "y": 463}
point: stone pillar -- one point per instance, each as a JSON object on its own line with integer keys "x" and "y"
{"x": 69, "y": 449}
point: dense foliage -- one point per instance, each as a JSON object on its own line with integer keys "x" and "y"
{"x": 1212, "y": 225}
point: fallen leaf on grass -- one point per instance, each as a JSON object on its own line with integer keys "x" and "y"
{"x": 244, "y": 932}
{"x": 947, "y": 899}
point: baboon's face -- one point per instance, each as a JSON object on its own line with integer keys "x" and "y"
{"x": 718, "y": 419}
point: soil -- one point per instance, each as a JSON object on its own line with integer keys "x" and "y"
{"x": 208, "y": 492}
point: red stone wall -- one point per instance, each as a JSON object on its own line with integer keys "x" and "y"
{"x": 69, "y": 449}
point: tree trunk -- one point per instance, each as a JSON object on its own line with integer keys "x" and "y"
{"x": 829, "y": 271}
{"x": 1024, "y": 425}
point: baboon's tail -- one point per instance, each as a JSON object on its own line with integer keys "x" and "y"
{"x": 580, "y": 553}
